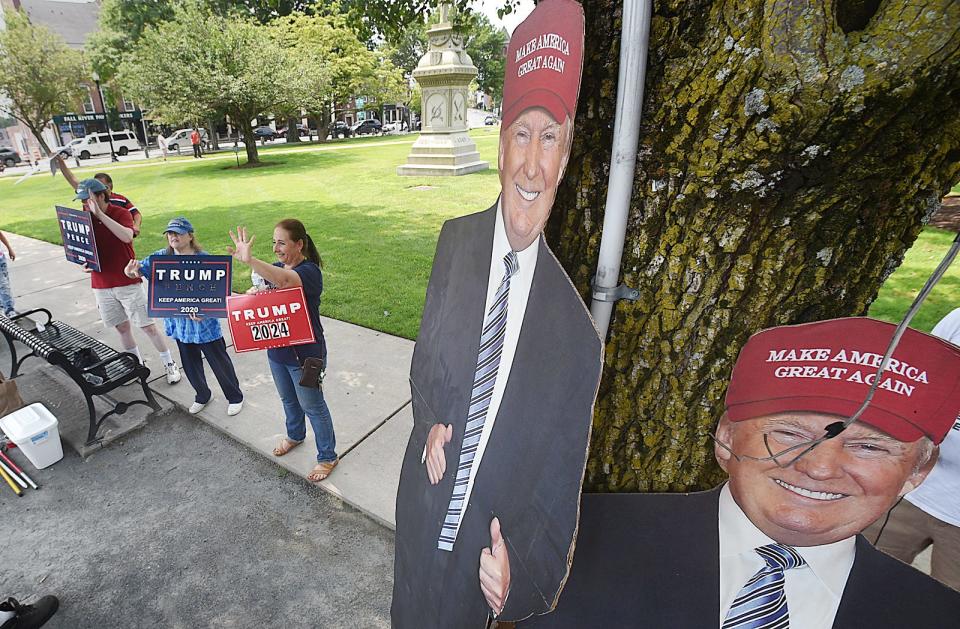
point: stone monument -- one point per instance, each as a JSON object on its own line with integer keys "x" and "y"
{"x": 444, "y": 74}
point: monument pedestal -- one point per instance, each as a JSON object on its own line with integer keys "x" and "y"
{"x": 444, "y": 74}
{"x": 443, "y": 154}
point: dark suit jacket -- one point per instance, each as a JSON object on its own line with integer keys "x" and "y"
{"x": 652, "y": 560}
{"x": 532, "y": 469}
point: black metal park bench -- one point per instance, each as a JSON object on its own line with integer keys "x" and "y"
{"x": 97, "y": 368}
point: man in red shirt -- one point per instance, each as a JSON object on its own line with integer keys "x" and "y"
{"x": 195, "y": 141}
{"x": 115, "y": 198}
{"x": 120, "y": 299}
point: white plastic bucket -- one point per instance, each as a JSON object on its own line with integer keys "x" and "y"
{"x": 34, "y": 430}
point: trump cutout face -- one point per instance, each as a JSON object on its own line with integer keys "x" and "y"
{"x": 534, "y": 150}
{"x": 831, "y": 493}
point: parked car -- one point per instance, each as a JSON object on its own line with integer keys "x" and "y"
{"x": 340, "y": 129}
{"x": 395, "y": 127}
{"x": 490, "y": 120}
{"x": 67, "y": 149}
{"x": 302, "y": 128}
{"x": 369, "y": 126}
{"x": 265, "y": 133}
{"x": 9, "y": 157}
{"x": 181, "y": 139}
{"x": 99, "y": 144}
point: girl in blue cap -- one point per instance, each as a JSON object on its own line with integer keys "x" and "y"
{"x": 196, "y": 336}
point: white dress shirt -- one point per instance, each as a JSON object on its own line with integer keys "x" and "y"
{"x": 516, "y": 308}
{"x": 938, "y": 494}
{"x": 813, "y": 591}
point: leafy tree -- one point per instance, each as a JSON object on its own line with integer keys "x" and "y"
{"x": 407, "y": 46}
{"x": 39, "y": 74}
{"x": 486, "y": 45}
{"x": 123, "y": 22}
{"x": 200, "y": 64}
{"x": 790, "y": 153}
{"x": 330, "y": 65}
{"x": 311, "y": 44}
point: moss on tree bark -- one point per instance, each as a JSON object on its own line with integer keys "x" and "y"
{"x": 790, "y": 152}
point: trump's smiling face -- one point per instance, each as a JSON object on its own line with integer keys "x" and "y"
{"x": 832, "y": 492}
{"x": 534, "y": 150}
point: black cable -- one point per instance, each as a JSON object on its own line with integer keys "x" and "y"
{"x": 887, "y": 519}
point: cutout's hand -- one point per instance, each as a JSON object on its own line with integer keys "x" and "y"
{"x": 436, "y": 460}
{"x": 10, "y": 253}
{"x": 242, "y": 245}
{"x": 495, "y": 570}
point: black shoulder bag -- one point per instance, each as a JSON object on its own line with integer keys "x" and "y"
{"x": 313, "y": 370}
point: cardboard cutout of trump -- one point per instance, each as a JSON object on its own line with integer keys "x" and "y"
{"x": 504, "y": 374}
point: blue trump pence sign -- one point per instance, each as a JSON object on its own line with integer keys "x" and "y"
{"x": 76, "y": 231}
{"x": 185, "y": 285}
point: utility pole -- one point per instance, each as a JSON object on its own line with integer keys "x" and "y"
{"x": 103, "y": 106}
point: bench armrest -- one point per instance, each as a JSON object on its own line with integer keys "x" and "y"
{"x": 108, "y": 360}
{"x": 35, "y": 310}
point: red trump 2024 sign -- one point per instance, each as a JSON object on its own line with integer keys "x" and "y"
{"x": 274, "y": 318}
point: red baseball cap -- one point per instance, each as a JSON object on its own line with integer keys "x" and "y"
{"x": 544, "y": 61}
{"x": 828, "y": 367}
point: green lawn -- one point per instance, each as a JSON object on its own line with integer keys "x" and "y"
{"x": 375, "y": 230}
{"x": 899, "y": 290}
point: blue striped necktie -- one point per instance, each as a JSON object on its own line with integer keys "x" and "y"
{"x": 485, "y": 376}
{"x": 762, "y": 603}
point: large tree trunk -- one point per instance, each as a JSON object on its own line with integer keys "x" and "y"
{"x": 212, "y": 134}
{"x": 293, "y": 133}
{"x": 36, "y": 128}
{"x": 249, "y": 139}
{"x": 323, "y": 121}
{"x": 786, "y": 164}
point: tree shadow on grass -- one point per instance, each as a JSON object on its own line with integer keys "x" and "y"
{"x": 269, "y": 165}
{"x": 260, "y": 164}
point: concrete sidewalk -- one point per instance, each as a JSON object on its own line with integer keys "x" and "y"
{"x": 366, "y": 385}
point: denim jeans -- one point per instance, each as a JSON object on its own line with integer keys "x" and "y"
{"x": 299, "y": 401}
{"x": 6, "y": 295}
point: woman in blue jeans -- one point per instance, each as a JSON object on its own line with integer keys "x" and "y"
{"x": 298, "y": 264}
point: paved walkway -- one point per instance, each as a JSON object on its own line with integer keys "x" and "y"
{"x": 366, "y": 385}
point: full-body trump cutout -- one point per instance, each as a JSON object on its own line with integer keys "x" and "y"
{"x": 504, "y": 374}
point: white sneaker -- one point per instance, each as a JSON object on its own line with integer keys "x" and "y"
{"x": 233, "y": 409}
{"x": 196, "y": 407}
{"x": 173, "y": 373}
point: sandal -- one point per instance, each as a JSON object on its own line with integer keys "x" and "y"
{"x": 285, "y": 446}
{"x": 321, "y": 470}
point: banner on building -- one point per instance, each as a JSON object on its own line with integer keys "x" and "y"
{"x": 273, "y": 318}
{"x": 76, "y": 232}
{"x": 185, "y": 285}
{"x": 130, "y": 116}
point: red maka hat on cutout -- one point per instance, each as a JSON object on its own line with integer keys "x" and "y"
{"x": 544, "y": 61}
{"x": 828, "y": 367}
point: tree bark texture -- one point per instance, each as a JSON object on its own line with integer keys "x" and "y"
{"x": 293, "y": 131}
{"x": 790, "y": 152}
{"x": 249, "y": 139}
{"x": 212, "y": 135}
